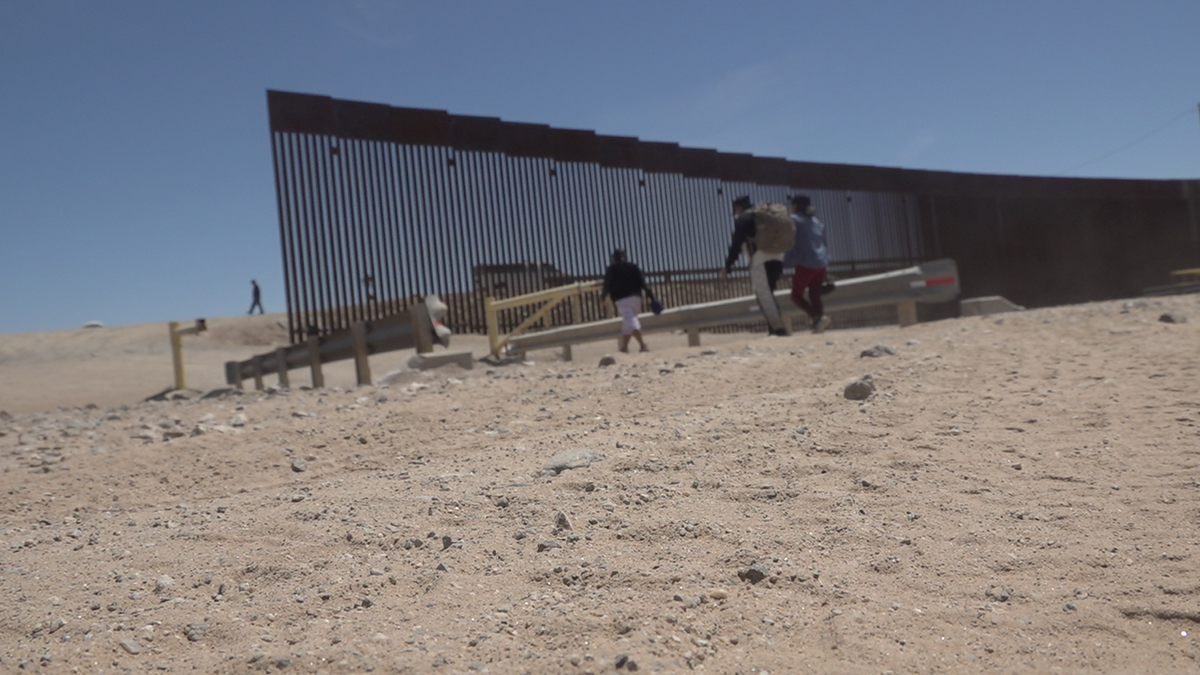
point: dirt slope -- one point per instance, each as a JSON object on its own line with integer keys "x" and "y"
{"x": 1020, "y": 494}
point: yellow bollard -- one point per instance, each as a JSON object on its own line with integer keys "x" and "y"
{"x": 177, "y": 334}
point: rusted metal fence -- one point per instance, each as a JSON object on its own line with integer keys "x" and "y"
{"x": 380, "y": 205}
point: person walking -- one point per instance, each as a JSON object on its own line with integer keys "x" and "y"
{"x": 811, "y": 259}
{"x": 765, "y": 268}
{"x": 624, "y": 283}
{"x": 256, "y": 294}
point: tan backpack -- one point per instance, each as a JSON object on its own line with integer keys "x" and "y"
{"x": 775, "y": 230}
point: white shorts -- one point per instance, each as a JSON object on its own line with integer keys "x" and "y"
{"x": 629, "y": 307}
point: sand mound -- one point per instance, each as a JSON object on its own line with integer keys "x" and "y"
{"x": 1016, "y": 495}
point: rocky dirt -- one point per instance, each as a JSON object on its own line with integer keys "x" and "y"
{"x": 1019, "y": 493}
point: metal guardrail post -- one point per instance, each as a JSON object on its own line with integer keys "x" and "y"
{"x": 314, "y": 361}
{"x": 256, "y": 369}
{"x": 358, "y": 338}
{"x": 233, "y": 374}
{"x": 281, "y": 366}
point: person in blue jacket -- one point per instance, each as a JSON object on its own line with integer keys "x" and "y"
{"x": 811, "y": 259}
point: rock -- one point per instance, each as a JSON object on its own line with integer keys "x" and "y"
{"x": 238, "y": 420}
{"x": 1134, "y": 304}
{"x": 299, "y": 465}
{"x": 753, "y": 574}
{"x": 548, "y": 545}
{"x": 561, "y": 521}
{"x": 708, "y": 352}
{"x": 1172, "y": 317}
{"x": 163, "y": 583}
{"x": 999, "y": 594}
{"x": 607, "y": 360}
{"x": 878, "y": 350}
{"x": 566, "y": 460}
{"x": 860, "y": 389}
{"x": 194, "y": 631}
{"x": 130, "y": 646}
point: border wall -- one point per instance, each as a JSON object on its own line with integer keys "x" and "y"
{"x": 380, "y": 205}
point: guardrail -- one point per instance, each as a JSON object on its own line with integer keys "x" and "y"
{"x": 419, "y": 327}
{"x": 930, "y": 282}
{"x": 551, "y": 296}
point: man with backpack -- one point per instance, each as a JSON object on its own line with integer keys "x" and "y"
{"x": 764, "y": 233}
{"x": 810, "y": 259}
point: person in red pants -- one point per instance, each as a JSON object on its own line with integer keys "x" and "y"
{"x": 810, "y": 258}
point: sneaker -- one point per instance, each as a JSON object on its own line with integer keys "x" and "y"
{"x": 821, "y": 323}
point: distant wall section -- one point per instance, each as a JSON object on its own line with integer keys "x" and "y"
{"x": 379, "y": 205}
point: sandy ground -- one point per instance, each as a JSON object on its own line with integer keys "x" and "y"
{"x": 1020, "y": 494}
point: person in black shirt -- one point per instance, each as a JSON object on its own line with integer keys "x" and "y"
{"x": 765, "y": 268}
{"x": 256, "y": 294}
{"x": 624, "y": 283}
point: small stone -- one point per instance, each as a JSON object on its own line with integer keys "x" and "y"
{"x": 1069, "y": 607}
{"x": 195, "y": 631}
{"x": 238, "y": 420}
{"x": 548, "y": 545}
{"x": 860, "y": 389}
{"x": 607, "y": 360}
{"x": 622, "y": 659}
{"x": 502, "y": 502}
{"x": 1172, "y": 317}
{"x": 566, "y": 460}
{"x": 299, "y": 465}
{"x": 878, "y": 350}
{"x": 130, "y": 646}
{"x": 753, "y": 574}
{"x": 561, "y": 521}
{"x": 718, "y": 594}
{"x": 163, "y": 583}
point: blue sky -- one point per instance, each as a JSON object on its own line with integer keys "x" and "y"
{"x": 135, "y": 173}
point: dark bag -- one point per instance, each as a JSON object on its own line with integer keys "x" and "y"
{"x": 656, "y": 306}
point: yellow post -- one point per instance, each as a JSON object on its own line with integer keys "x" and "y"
{"x": 177, "y": 334}
{"x": 493, "y": 325}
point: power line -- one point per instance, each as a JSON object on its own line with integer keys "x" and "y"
{"x": 1127, "y": 145}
